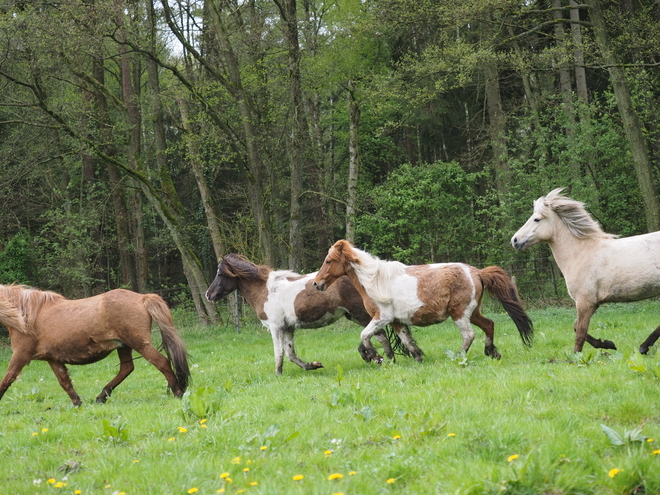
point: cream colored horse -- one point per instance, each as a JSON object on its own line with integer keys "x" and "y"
{"x": 598, "y": 267}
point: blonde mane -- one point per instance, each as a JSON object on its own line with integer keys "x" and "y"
{"x": 376, "y": 275}
{"x": 20, "y": 305}
{"x": 573, "y": 214}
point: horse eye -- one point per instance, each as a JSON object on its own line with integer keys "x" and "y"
{"x": 537, "y": 219}
{"x": 327, "y": 262}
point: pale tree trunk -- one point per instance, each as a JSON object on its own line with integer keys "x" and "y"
{"x": 578, "y": 53}
{"x": 497, "y": 129}
{"x": 353, "y": 160}
{"x": 631, "y": 124}
{"x": 289, "y": 14}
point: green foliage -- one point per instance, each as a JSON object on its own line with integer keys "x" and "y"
{"x": 645, "y": 365}
{"x": 629, "y": 437}
{"x": 115, "y": 432}
{"x": 17, "y": 260}
{"x": 200, "y": 402}
{"x": 422, "y": 214}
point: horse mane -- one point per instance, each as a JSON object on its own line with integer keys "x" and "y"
{"x": 237, "y": 265}
{"x": 375, "y": 275}
{"x": 574, "y": 215}
{"x": 27, "y": 302}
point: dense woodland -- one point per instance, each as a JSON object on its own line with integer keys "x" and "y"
{"x": 141, "y": 140}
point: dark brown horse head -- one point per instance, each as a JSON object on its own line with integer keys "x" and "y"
{"x": 336, "y": 264}
{"x": 231, "y": 269}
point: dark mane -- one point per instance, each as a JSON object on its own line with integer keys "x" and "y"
{"x": 237, "y": 265}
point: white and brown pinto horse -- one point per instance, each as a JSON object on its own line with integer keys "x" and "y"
{"x": 423, "y": 295}
{"x": 598, "y": 267}
{"x": 285, "y": 300}
{"x": 47, "y": 327}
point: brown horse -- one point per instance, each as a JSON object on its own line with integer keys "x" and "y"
{"x": 285, "y": 300}
{"x": 423, "y": 295}
{"x": 47, "y": 327}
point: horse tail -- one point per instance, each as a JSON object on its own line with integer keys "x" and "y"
{"x": 172, "y": 343}
{"x": 11, "y": 316}
{"x": 500, "y": 285}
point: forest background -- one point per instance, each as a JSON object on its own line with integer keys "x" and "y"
{"x": 141, "y": 140}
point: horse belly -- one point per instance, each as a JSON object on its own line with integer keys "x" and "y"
{"x": 74, "y": 351}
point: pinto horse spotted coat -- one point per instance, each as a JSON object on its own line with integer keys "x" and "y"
{"x": 47, "y": 327}
{"x": 285, "y": 301}
{"x": 423, "y": 295}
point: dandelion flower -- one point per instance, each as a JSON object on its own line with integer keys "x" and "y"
{"x": 335, "y": 476}
{"x": 650, "y": 440}
{"x": 245, "y": 470}
{"x": 51, "y": 480}
{"x": 614, "y": 472}
{"x": 202, "y": 421}
{"x": 254, "y": 483}
{"x": 224, "y": 475}
{"x": 236, "y": 460}
{"x": 193, "y": 490}
{"x": 396, "y": 437}
{"x": 59, "y": 484}
{"x": 352, "y": 473}
{"x": 328, "y": 453}
{"x": 220, "y": 490}
{"x": 263, "y": 447}
{"x": 338, "y": 493}
{"x": 390, "y": 481}
{"x": 656, "y": 452}
{"x": 451, "y": 434}
{"x": 171, "y": 439}
{"x": 35, "y": 434}
{"x": 136, "y": 461}
{"x": 44, "y": 430}
{"x": 202, "y": 425}
{"x": 298, "y": 477}
{"x": 77, "y": 492}
{"x": 512, "y": 458}
{"x": 182, "y": 429}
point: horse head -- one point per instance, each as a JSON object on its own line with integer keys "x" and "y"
{"x": 540, "y": 226}
{"x": 336, "y": 264}
{"x": 225, "y": 280}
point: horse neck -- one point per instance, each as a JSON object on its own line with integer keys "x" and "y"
{"x": 566, "y": 249}
{"x": 254, "y": 289}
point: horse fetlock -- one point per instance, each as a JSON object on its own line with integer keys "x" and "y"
{"x": 492, "y": 352}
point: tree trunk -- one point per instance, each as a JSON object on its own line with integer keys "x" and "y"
{"x": 631, "y": 124}
{"x": 353, "y": 160}
{"x": 497, "y": 126}
{"x": 578, "y": 53}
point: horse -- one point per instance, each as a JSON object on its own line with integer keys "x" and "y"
{"x": 423, "y": 295}
{"x": 285, "y": 300}
{"x": 46, "y": 326}
{"x": 598, "y": 267}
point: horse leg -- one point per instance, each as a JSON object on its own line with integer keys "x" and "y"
{"x": 366, "y": 348}
{"x": 63, "y": 377}
{"x": 287, "y": 341}
{"x": 126, "y": 367}
{"x": 601, "y": 344}
{"x": 151, "y": 354}
{"x": 644, "y": 348}
{"x": 17, "y": 362}
{"x": 278, "y": 349}
{"x": 403, "y": 331}
{"x": 584, "y": 313}
{"x": 381, "y": 335}
{"x": 463, "y": 324}
{"x": 488, "y": 326}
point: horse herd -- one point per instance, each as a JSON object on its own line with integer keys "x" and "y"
{"x": 598, "y": 268}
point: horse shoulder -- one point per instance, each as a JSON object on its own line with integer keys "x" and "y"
{"x": 283, "y": 288}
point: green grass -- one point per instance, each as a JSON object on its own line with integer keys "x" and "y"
{"x": 447, "y": 425}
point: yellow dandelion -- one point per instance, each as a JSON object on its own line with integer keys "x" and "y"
{"x": 35, "y": 434}
{"x": 338, "y": 493}
{"x": 263, "y": 447}
{"x": 328, "y": 452}
{"x": 52, "y": 480}
{"x": 390, "y": 481}
{"x": 182, "y": 429}
{"x": 254, "y": 483}
{"x": 171, "y": 439}
{"x": 335, "y": 476}
{"x": 298, "y": 477}
{"x": 451, "y": 434}
{"x": 512, "y": 458}
{"x": 352, "y": 473}
{"x": 650, "y": 440}
{"x": 220, "y": 490}
{"x": 107, "y": 486}
{"x": 396, "y": 437}
{"x": 614, "y": 472}
{"x": 240, "y": 491}
{"x": 656, "y": 452}
{"x": 136, "y": 461}
{"x": 236, "y": 460}
{"x": 59, "y": 484}
{"x": 44, "y": 430}
{"x": 245, "y": 470}
{"x": 202, "y": 426}
{"x": 229, "y": 480}
{"x": 224, "y": 475}
{"x": 77, "y": 492}
{"x": 193, "y": 490}
{"x": 202, "y": 421}
{"x": 248, "y": 461}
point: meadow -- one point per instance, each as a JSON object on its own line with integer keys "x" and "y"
{"x": 540, "y": 421}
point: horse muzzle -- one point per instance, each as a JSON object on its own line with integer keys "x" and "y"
{"x": 320, "y": 285}
{"x": 518, "y": 244}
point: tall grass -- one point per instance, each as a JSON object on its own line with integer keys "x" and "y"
{"x": 530, "y": 423}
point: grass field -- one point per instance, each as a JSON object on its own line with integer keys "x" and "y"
{"x": 530, "y": 423}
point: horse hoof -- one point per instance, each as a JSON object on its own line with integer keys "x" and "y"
{"x": 378, "y": 359}
{"x": 608, "y": 344}
{"x": 643, "y": 349}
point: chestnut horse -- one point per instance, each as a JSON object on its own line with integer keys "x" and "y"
{"x": 598, "y": 267}
{"x": 423, "y": 295}
{"x": 47, "y": 327}
{"x": 285, "y": 300}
